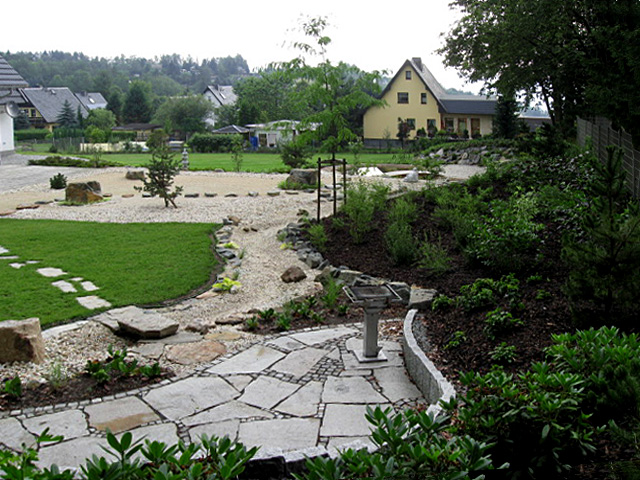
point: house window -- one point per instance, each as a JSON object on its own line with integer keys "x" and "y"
{"x": 432, "y": 128}
{"x": 475, "y": 126}
{"x": 407, "y": 75}
{"x": 462, "y": 126}
{"x": 411, "y": 122}
{"x": 423, "y": 98}
{"x": 403, "y": 97}
{"x": 449, "y": 125}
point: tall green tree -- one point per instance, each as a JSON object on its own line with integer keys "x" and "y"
{"x": 185, "y": 115}
{"x": 137, "y": 107}
{"x": 67, "y": 118}
{"x": 505, "y": 122}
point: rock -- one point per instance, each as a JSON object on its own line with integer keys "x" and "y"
{"x": 412, "y": 177}
{"x": 233, "y": 320}
{"x": 144, "y": 324}
{"x": 197, "y": 325}
{"x": 273, "y": 193}
{"x": 231, "y": 195}
{"x": 127, "y": 195}
{"x": 27, "y": 206}
{"x": 348, "y": 277}
{"x": 253, "y": 194}
{"x": 191, "y": 195}
{"x": 134, "y": 175}
{"x": 421, "y": 298}
{"x": 234, "y": 220}
{"x": 83, "y": 192}
{"x": 210, "y": 195}
{"x": 314, "y": 259}
{"x": 293, "y": 274}
{"x": 197, "y": 352}
{"x": 303, "y": 176}
{"x": 21, "y": 341}
{"x": 224, "y": 336}
{"x": 6, "y": 213}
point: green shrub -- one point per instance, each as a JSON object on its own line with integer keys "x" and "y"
{"x": 332, "y": 291}
{"x": 441, "y": 302}
{"x": 457, "y": 339}
{"x": 504, "y": 354}
{"x": 56, "y": 161}
{"x": 533, "y": 421}
{"x": 403, "y": 210}
{"x": 498, "y": 322}
{"x": 295, "y": 153}
{"x": 58, "y": 181}
{"x": 30, "y": 134}
{"x": 487, "y": 292}
{"x": 400, "y": 243}
{"x": 363, "y": 201}
{"x": 317, "y": 236}
{"x": 433, "y": 257}
{"x": 13, "y": 387}
{"x": 209, "y": 143}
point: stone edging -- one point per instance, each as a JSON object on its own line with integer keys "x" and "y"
{"x": 433, "y": 385}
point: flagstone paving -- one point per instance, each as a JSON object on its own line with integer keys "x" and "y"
{"x": 297, "y": 393}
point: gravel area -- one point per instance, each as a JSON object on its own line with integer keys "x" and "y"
{"x": 263, "y": 261}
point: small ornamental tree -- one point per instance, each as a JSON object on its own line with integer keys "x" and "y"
{"x": 163, "y": 167}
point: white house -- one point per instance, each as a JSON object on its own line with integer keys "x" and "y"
{"x": 10, "y": 81}
{"x": 219, "y": 95}
{"x": 272, "y": 134}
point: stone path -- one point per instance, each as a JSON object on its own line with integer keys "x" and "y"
{"x": 300, "y": 393}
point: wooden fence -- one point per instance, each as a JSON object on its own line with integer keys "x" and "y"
{"x": 602, "y": 135}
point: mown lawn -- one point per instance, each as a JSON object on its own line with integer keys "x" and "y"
{"x": 130, "y": 263}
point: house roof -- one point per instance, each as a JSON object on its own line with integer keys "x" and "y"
{"x": 231, "y": 129}
{"x": 448, "y": 103}
{"x": 9, "y": 80}
{"x": 223, "y": 94}
{"x": 92, "y": 100}
{"x": 49, "y": 101}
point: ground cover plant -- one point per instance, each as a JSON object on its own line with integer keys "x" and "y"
{"x": 139, "y": 264}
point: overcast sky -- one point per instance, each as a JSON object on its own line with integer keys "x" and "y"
{"x": 370, "y": 35}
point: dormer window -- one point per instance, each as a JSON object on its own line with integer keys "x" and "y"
{"x": 407, "y": 75}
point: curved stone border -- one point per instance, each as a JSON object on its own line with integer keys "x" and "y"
{"x": 433, "y": 385}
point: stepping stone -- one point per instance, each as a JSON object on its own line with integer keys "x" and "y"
{"x": 228, "y": 428}
{"x": 70, "y": 424}
{"x": 231, "y": 195}
{"x": 178, "y": 338}
{"x": 3, "y": 251}
{"x": 191, "y": 195}
{"x": 120, "y": 415}
{"x": 127, "y": 195}
{"x": 186, "y": 397}
{"x": 321, "y": 336}
{"x": 17, "y": 266}
{"x": 72, "y": 453}
{"x": 93, "y": 302}
{"x": 345, "y": 421}
{"x": 65, "y": 286}
{"x": 51, "y": 272}
{"x": 143, "y": 323}
{"x": 253, "y": 194}
{"x": 6, "y": 213}
{"x": 89, "y": 286}
{"x": 210, "y": 195}
{"x": 253, "y": 360}
{"x": 233, "y": 410}
{"x": 27, "y": 206}
{"x": 350, "y": 390}
{"x": 396, "y": 385}
{"x": 303, "y": 403}
{"x": 285, "y": 434}
{"x": 196, "y": 352}
{"x": 223, "y": 336}
{"x": 266, "y": 392}
{"x": 299, "y": 362}
{"x": 9, "y": 257}
{"x": 292, "y": 192}
{"x": 149, "y": 350}
{"x": 273, "y": 193}
{"x": 33, "y": 262}
{"x": 14, "y": 434}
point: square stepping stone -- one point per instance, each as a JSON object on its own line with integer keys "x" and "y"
{"x": 186, "y": 397}
{"x": 51, "y": 272}
{"x": 89, "y": 286}
{"x": 65, "y": 286}
{"x": 266, "y": 392}
{"x": 253, "y": 360}
{"x": 396, "y": 385}
{"x": 285, "y": 434}
{"x": 93, "y": 302}
{"x": 120, "y": 415}
{"x": 350, "y": 390}
{"x": 299, "y": 362}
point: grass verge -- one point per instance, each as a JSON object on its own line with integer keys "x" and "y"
{"x": 130, "y": 263}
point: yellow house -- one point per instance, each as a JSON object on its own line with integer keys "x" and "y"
{"x": 416, "y": 97}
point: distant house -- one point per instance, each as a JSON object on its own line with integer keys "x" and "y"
{"x": 43, "y": 105}
{"x": 143, "y": 130}
{"x": 92, "y": 100}
{"x": 219, "y": 95}
{"x": 271, "y": 134}
{"x": 10, "y": 82}
{"x": 415, "y": 96}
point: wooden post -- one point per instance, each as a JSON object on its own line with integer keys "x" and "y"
{"x": 319, "y": 176}
{"x": 344, "y": 181}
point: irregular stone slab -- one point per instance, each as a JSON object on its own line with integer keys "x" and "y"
{"x": 253, "y": 360}
{"x": 33, "y": 262}
{"x": 164, "y": 432}
{"x": 71, "y": 453}
{"x": 303, "y": 403}
{"x": 6, "y": 213}
{"x": 186, "y": 397}
{"x": 196, "y": 352}
{"x": 286, "y": 343}
{"x": 17, "y": 266}
{"x": 266, "y": 392}
{"x": 228, "y": 428}
{"x": 9, "y": 257}
{"x": 70, "y": 424}
{"x": 285, "y": 434}
{"x": 3, "y": 251}
{"x": 83, "y": 192}
{"x": 21, "y": 341}
{"x": 273, "y": 193}
{"x": 145, "y": 324}
{"x": 340, "y": 444}
{"x": 224, "y": 336}
{"x": 120, "y": 415}
{"x": 421, "y": 298}
{"x": 227, "y": 411}
{"x": 345, "y": 421}
{"x": 350, "y": 390}
{"x": 89, "y": 286}
{"x": 14, "y": 434}
{"x": 299, "y": 362}
{"x": 320, "y": 336}
{"x": 396, "y": 385}
{"x": 93, "y": 302}
{"x": 178, "y": 338}
{"x": 293, "y": 275}
{"x": 65, "y": 286}
{"x": 51, "y": 272}
{"x": 149, "y": 350}
{"x": 239, "y": 382}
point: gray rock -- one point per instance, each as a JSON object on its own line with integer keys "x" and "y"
{"x": 412, "y": 177}
{"x": 314, "y": 259}
{"x": 421, "y": 298}
{"x": 293, "y": 274}
{"x": 21, "y": 341}
{"x": 134, "y": 175}
{"x": 210, "y": 195}
{"x": 302, "y": 176}
{"x": 191, "y": 195}
{"x": 143, "y": 324}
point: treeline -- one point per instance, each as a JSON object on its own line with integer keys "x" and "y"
{"x": 168, "y": 75}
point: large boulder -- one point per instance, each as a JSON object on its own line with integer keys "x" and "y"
{"x": 135, "y": 175}
{"x": 293, "y": 275}
{"x": 83, "y": 192}
{"x": 21, "y": 341}
{"x": 144, "y": 324}
{"x": 303, "y": 176}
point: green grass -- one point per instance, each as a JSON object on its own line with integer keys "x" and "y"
{"x": 131, "y": 263}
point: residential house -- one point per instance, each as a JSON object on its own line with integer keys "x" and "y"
{"x": 271, "y": 134}
{"x": 92, "y": 100}
{"x": 415, "y": 96}
{"x": 43, "y": 106}
{"x": 219, "y": 95}
{"x": 10, "y": 82}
